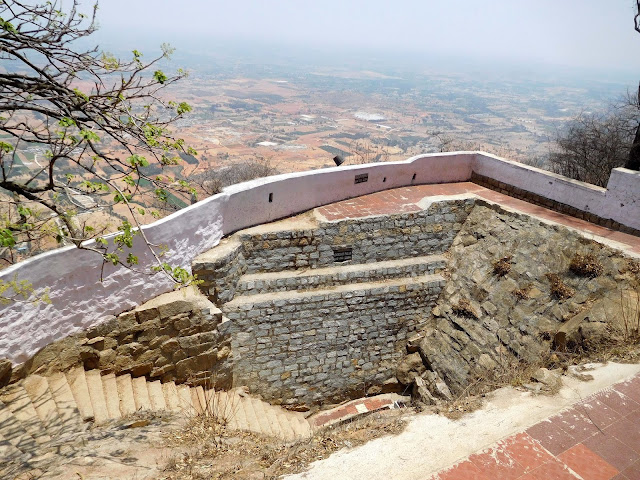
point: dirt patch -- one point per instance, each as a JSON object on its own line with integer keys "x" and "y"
{"x": 209, "y": 450}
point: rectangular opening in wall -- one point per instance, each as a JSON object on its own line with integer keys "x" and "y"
{"x": 342, "y": 254}
{"x": 363, "y": 177}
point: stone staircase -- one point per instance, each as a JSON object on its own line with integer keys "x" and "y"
{"x": 40, "y": 416}
{"x": 257, "y": 283}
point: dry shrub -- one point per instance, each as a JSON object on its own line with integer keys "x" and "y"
{"x": 586, "y": 265}
{"x": 522, "y": 293}
{"x": 633, "y": 268}
{"x": 502, "y": 266}
{"x": 559, "y": 289}
{"x": 465, "y": 309}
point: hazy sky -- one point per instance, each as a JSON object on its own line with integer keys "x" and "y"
{"x": 597, "y": 33}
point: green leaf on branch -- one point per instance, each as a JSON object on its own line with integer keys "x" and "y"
{"x": 6, "y": 238}
{"x": 136, "y": 160}
{"x": 159, "y": 76}
{"x": 183, "y": 107}
{"x": 89, "y": 135}
{"x": 5, "y": 147}
{"x": 112, "y": 258}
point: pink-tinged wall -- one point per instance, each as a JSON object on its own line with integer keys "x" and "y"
{"x": 80, "y": 300}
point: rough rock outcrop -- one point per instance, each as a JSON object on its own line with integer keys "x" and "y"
{"x": 500, "y": 307}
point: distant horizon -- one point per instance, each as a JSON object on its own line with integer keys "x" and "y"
{"x": 274, "y": 51}
{"x": 573, "y": 34}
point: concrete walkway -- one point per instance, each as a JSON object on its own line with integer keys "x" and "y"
{"x": 590, "y": 430}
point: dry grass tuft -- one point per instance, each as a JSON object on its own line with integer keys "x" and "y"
{"x": 502, "y": 266}
{"x": 522, "y": 293}
{"x": 586, "y": 265}
{"x": 559, "y": 289}
{"x": 465, "y": 309}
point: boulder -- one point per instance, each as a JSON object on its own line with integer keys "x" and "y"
{"x": 549, "y": 379}
{"x": 410, "y": 368}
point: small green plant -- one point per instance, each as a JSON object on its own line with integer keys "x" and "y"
{"x": 559, "y": 289}
{"x": 586, "y": 265}
{"x": 502, "y": 266}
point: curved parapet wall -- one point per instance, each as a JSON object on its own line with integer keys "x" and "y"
{"x": 79, "y": 299}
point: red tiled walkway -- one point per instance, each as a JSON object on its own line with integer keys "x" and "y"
{"x": 597, "y": 439}
{"x": 406, "y": 199}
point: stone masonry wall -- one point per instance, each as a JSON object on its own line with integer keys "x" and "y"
{"x": 176, "y": 336}
{"x": 372, "y": 239}
{"x": 326, "y": 345}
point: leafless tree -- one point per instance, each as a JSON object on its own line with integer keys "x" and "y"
{"x": 591, "y": 145}
{"x": 363, "y": 150}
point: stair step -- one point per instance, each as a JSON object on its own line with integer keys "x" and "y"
{"x": 38, "y": 389}
{"x": 265, "y": 424}
{"x": 171, "y": 398}
{"x": 302, "y": 426}
{"x": 8, "y": 451}
{"x": 204, "y": 397}
{"x": 156, "y": 396}
{"x": 313, "y": 278}
{"x": 198, "y": 406}
{"x": 184, "y": 394}
{"x": 140, "y": 393}
{"x": 289, "y": 433}
{"x": 125, "y": 395}
{"x": 240, "y": 415}
{"x": 78, "y": 384}
{"x": 253, "y": 423}
{"x": 226, "y": 408}
{"x": 280, "y": 430}
{"x": 110, "y": 387}
{"x": 65, "y": 403}
{"x": 424, "y": 281}
{"x": 17, "y": 399}
{"x": 96, "y": 393}
{"x": 13, "y": 430}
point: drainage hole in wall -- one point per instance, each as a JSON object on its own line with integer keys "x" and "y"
{"x": 414, "y": 177}
{"x": 342, "y": 254}
{"x": 384, "y": 179}
{"x": 270, "y": 197}
{"x": 364, "y": 177}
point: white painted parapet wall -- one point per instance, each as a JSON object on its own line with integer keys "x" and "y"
{"x": 80, "y": 300}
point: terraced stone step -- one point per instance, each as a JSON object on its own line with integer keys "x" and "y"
{"x": 434, "y": 283}
{"x": 259, "y": 283}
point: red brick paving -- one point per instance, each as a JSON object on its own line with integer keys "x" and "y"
{"x": 596, "y": 439}
{"x": 405, "y": 200}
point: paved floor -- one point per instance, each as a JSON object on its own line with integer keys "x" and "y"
{"x": 406, "y": 199}
{"x": 597, "y": 439}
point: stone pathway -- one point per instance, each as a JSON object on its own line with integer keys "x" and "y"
{"x": 596, "y": 439}
{"x": 407, "y": 199}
